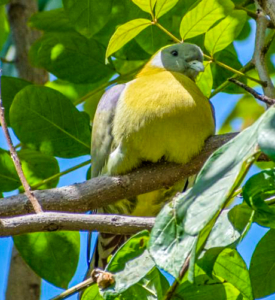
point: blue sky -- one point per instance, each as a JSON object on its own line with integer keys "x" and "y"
{"x": 223, "y": 104}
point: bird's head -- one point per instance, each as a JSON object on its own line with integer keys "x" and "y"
{"x": 183, "y": 58}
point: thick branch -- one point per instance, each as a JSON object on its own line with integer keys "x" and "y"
{"x": 114, "y": 224}
{"x": 104, "y": 190}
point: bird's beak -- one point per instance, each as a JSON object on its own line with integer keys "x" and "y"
{"x": 196, "y": 65}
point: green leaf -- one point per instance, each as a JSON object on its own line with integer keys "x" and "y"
{"x": 203, "y": 16}
{"x": 88, "y": 16}
{"x": 4, "y": 25}
{"x": 262, "y": 266}
{"x": 205, "y": 80}
{"x": 10, "y": 87}
{"x": 9, "y": 179}
{"x": 219, "y": 290}
{"x": 267, "y": 137}
{"x": 92, "y": 293}
{"x": 53, "y": 20}
{"x": 145, "y": 5}
{"x": 71, "y": 90}
{"x": 258, "y": 188}
{"x": 231, "y": 267}
{"x": 229, "y": 57}
{"x": 4, "y": 2}
{"x": 70, "y": 56}
{"x": 163, "y": 6}
{"x": 125, "y": 33}
{"x": 38, "y": 166}
{"x": 136, "y": 276}
{"x": 47, "y": 121}
{"x": 223, "y": 34}
{"x": 179, "y": 225}
{"x": 52, "y": 255}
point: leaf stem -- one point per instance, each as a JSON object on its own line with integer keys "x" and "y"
{"x": 55, "y": 176}
{"x": 175, "y": 39}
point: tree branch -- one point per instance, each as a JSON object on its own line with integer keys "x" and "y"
{"x": 104, "y": 190}
{"x": 263, "y": 98}
{"x": 269, "y": 8}
{"x": 51, "y": 221}
{"x": 259, "y": 54}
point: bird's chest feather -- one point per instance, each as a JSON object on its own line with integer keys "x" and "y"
{"x": 163, "y": 115}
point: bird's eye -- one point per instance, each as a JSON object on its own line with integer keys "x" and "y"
{"x": 174, "y": 52}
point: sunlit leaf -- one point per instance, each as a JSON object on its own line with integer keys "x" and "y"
{"x": 163, "y": 6}
{"x": 178, "y": 226}
{"x": 262, "y": 264}
{"x": 205, "y": 80}
{"x": 231, "y": 267}
{"x": 145, "y": 5}
{"x": 125, "y": 33}
{"x": 203, "y": 16}
{"x": 47, "y": 121}
{"x": 88, "y": 16}
{"x": 223, "y": 34}
{"x": 52, "y": 255}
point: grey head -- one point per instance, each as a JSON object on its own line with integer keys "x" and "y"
{"x": 183, "y": 58}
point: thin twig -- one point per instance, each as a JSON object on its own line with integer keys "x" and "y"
{"x": 36, "y": 206}
{"x": 176, "y": 283}
{"x": 102, "y": 278}
{"x": 263, "y": 98}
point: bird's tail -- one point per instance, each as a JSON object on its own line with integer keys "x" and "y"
{"x": 107, "y": 245}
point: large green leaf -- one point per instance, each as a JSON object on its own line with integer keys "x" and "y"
{"x": 203, "y": 16}
{"x": 71, "y": 56}
{"x": 267, "y": 137}
{"x": 145, "y": 5}
{"x": 9, "y": 179}
{"x": 88, "y": 16}
{"x": 262, "y": 266}
{"x": 229, "y": 57}
{"x": 136, "y": 276}
{"x": 223, "y": 34}
{"x": 180, "y": 225}
{"x": 231, "y": 267}
{"x": 92, "y": 293}
{"x": 205, "y": 80}
{"x": 44, "y": 119}
{"x": 53, "y": 20}
{"x": 4, "y": 2}
{"x": 10, "y": 87}
{"x": 4, "y": 25}
{"x": 163, "y": 6}
{"x": 38, "y": 166}
{"x": 258, "y": 188}
{"x": 52, "y": 255}
{"x": 125, "y": 33}
{"x": 214, "y": 290}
